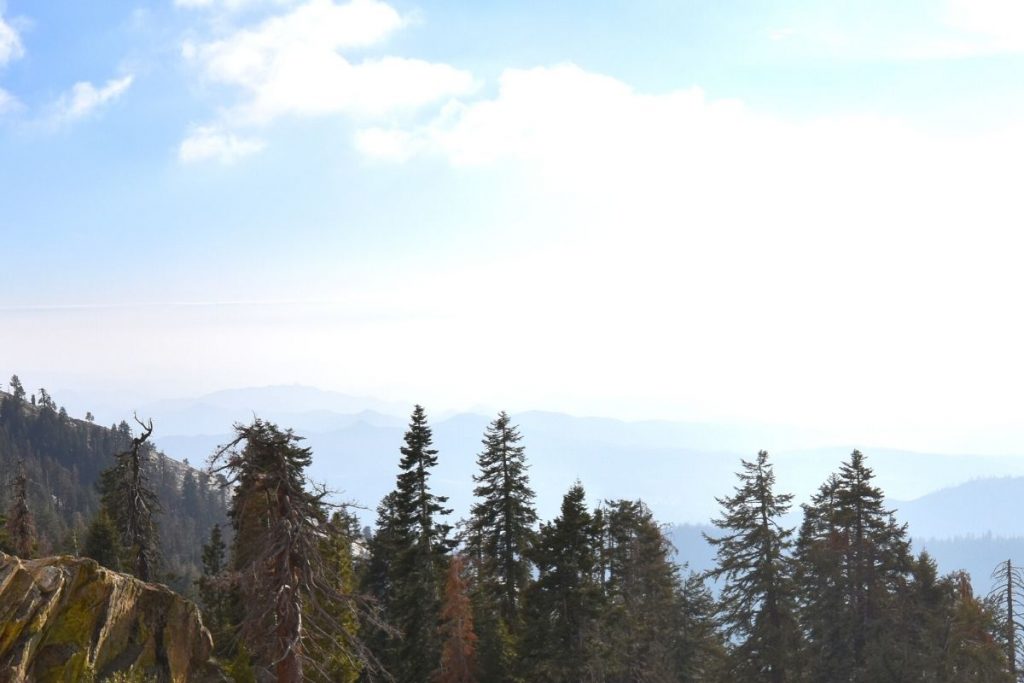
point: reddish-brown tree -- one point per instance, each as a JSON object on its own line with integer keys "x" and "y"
{"x": 458, "y": 649}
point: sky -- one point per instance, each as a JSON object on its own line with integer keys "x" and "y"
{"x": 792, "y": 212}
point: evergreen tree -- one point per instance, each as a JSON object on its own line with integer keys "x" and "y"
{"x": 278, "y": 557}
{"x": 339, "y": 666}
{"x": 500, "y": 533}
{"x": 700, "y": 650}
{"x": 853, "y": 562}
{"x": 21, "y": 527}
{"x": 130, "y": 500}
{"x": 101, "y": 542}
{"x": 420, "y": 544}
{"x": 216, "y": 596}
{"x": 971, "y": 653}
{"x": 458, "y": 649}
{"x": 564, "y": 604}
{"x": 377, "y": 581}
{"x": 758, "y": 594}
{"x": 503, "y": 521}
{"x": 640, "y": 584}
{"x": 17, "y": 388}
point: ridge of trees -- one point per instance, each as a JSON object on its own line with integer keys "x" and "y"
{"x": 294, "y": 591}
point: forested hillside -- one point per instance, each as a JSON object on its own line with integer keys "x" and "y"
{"x": 63, "y": 458}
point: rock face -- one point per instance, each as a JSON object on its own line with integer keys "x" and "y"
{"x": 68, "y": 619}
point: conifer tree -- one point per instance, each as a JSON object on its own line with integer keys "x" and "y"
{"x": 17, "y": 388}
{"x": 377, "y": 582}
{"x": 853, "y": 559}
{"x": 758, "y": 594}
{"x": 339, "y": 666}
{"x": 21, "y": 527}
{"x": 564, "y": 604}
{"x": 278, "y": 557}
{"x": 700, "y": 647}
{"x": 102, "y": 541}
{"x": 500, "y": 533}
{"x": 640, "y": 584}
{"x": 132, "y": 504}
{"x": 216, "y": 595}
{"x": 502, "y": 522}
{"x": 458, "y": 639}
{"x": 971, "y": 653}
{"x": 420, "y": 544}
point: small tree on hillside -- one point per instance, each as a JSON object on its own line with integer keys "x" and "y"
{"x": 132, "y": 504}
{"x": 21, "y": 527}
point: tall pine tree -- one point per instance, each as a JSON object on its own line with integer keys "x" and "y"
{"x": 500, "y": 533}
{"x": 758, "y": 593}
{"x": 419, "y": 543}
{"x": 853, "y": 561}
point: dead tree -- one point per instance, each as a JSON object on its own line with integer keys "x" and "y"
{"x": 1008, "y": 596}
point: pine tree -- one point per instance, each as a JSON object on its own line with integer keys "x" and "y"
{"x": 339, "y": 666}
{"x": 278, "y": 557}
{"x": 17, "y": 388}
{"x": 853, "y": 561}
{"x": 458, "y": 639}
{"x": 421, "y": 546}
{"x": 564, "y": 604}
{"x": 216, "y": 596}
{"x": 700, "y": 647}
{"x": 21, "y": 527}
{"x": 503, "y": 521}
{"x": 758, "y": 595}
{"x": 377, "y": 581}
{"x": 131, "y": 502}
{"x": 640, "y": 584}
{"x": 102, "y": 542}
{"x": 500, "y": 533}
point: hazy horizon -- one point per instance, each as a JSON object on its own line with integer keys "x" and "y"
{"x": 775, "y": 215}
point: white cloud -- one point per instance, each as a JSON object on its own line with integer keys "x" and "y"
{"x": 227, "y": 4}
{"x": 704, "y": 244}
{"x": 999, "y": 23}
{"x": 85, "y": 98}
{"x": 209, "y": 143}
{"x": 293, "y": 64}
{"x": 10, "y": 43}
{"x": 8, "y": 102}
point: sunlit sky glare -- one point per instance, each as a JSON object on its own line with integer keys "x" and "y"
{"x": 793, "y": 212}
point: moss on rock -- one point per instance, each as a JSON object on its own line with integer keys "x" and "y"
{"x": 68, "y": 619}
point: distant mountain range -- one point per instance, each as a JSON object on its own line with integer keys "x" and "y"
{"x": 964, "y": 508}
{"x": 678, "y": 468}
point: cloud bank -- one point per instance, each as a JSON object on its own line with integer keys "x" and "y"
{"x": 294, "y": 64}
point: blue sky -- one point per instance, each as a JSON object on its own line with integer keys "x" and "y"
{"x": 784, "y": 212}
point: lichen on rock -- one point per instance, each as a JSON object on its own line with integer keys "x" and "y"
{"x": 65, "y": 619}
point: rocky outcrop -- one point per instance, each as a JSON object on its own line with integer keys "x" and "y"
{"x": 68, "y": 619}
